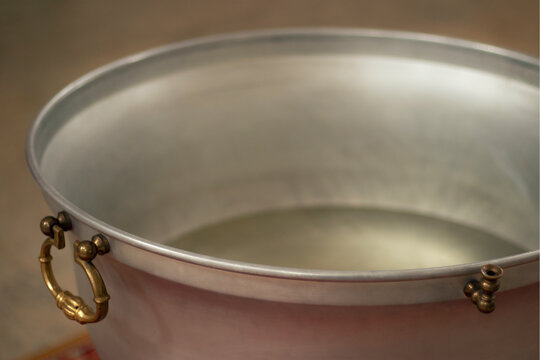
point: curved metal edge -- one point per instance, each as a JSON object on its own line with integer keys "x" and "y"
{"x": 371, "y": 292}
{"x": 254, "y": 269}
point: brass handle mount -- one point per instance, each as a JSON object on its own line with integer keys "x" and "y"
{"x": 482, "y": 293}
{"x": 84, "y": 252}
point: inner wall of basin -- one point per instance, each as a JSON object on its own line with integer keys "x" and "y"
{"x": 169, "y": 147}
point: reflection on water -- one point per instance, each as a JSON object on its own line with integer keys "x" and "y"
{"x": 341, "y": 238}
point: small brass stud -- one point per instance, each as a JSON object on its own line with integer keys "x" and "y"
{"x": 47, "y": 224}
{"x": 101, "y": 243}
{"x": 86, "y": 250}
{"x": 64, "y": 221}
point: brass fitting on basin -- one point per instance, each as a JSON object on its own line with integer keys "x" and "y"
{"x": 482, "y": 292}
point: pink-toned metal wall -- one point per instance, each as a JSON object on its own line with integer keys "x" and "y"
{"x": 144, "y": 323}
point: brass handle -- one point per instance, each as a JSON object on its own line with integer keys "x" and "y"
{"x": 84, "y": 252}
{"x": 482, "y": 293}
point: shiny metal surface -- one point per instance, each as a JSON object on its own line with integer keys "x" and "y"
{"x": 206, "y": 131}
{"x": 422, "y": 156}
{"x": 398, "y": 121}
{"x": 354, "y": 118}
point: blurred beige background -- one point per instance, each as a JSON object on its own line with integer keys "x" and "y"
{"x": 44, "y": 45}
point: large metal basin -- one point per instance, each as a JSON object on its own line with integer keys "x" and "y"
{"x": 154, "y": 147}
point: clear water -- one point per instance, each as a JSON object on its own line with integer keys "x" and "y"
{"x": 343, "y": 238}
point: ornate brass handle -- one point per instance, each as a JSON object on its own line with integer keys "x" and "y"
{"x": 84, "y": 252}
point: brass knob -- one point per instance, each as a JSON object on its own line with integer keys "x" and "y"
{"x": 84, "y": 252}
{"x": 482, "y": 293}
